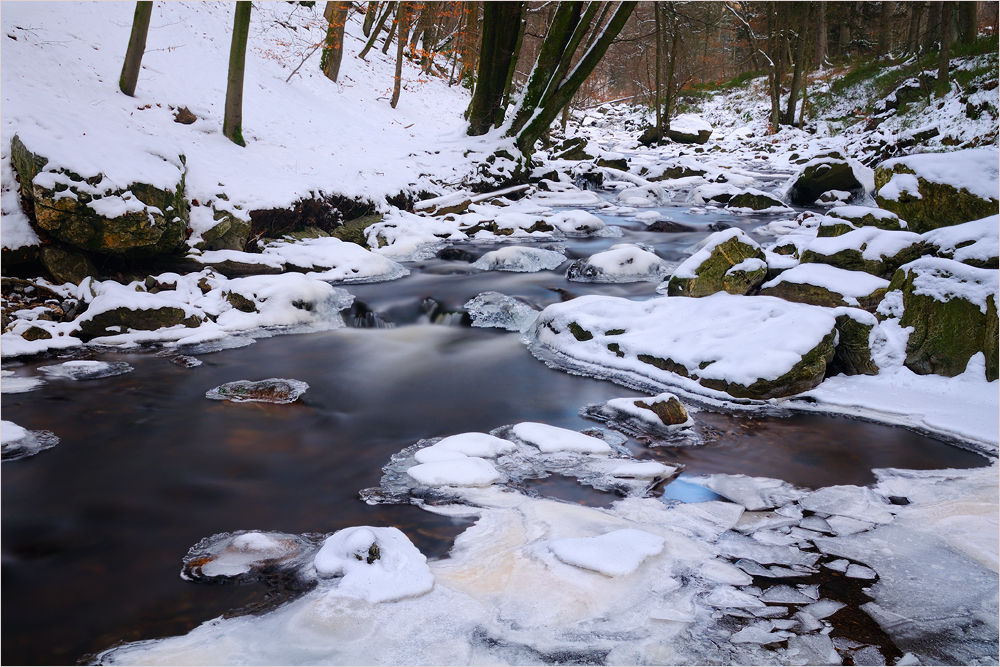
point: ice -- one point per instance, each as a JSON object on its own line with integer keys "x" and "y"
{"x": 333, "y": 260}
{"x": 812, "y": 650}
{"x": 462, "y": 471}
{"x": 520, "y": 259}
{"x": 783, "y": 594}
{"x": 823, "y": 608}
{"x": 86, "y": 369}
{"x": 868, "y": 655}
{"x": 724, "y": 573}
{"x": 14, "y": 384}
{"x": 839, "y": 565}
{"x": 727, "y": 596}
{"x": 621, "y": 263}
{"x": 272, "y": 390}
{"x": 735, "y": 545}
{"x": 615, "y": 554}
{"x": 645, "y": 469}
{"x": 759, "y": 633}
{"x": 480, "y": 445}
{"x": 553, "y": 439}
{"x": 816, "y": 523}
{"x": 807, "y": 622}
{"x": 17, "y": 442}
{"x": 860, "y": 503}
{"x": 493, "y": 309}
{"x": 856, "y": 571}
{"x": 754, "y": 493}
{"x": 375, "y": 564}
{"x": 230, "y": 556}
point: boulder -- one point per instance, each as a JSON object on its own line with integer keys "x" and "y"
{"x": 669, "y": 226}
{"x": 975, "y": 243}
{"x": 228, "y": 231}
{"x": 867, "y": 216}
{"x": 933, "y": 190}
{"x": 755, "y": 200}
{"x": 66, "y": 265}
{"x": 689, "y": 128}
{"x": 747, "y": 347}
{"x": 122, "y": 319}
{"x": 822, "y": 174}
{"x": 729, "y": 262}
{"x": 135, "y": 221}
{"x": 572, "y": 149}
{"x": 852, "y": 354}
{"x": 948, "y": 304}
{"x": 272, "y": 390}
{"x": 823, "y": 285}
{"x": 610, "y": 160}
{"x": 867, "y": 249}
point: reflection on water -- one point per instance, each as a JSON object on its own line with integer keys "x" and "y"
{"x": 94, "y": 529}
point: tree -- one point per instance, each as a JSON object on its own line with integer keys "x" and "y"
{"x": 232, "y": 124}
{"x": 378, "y": 28}
{"x": 933, "y": 31}
{"x": 501, "y": 24}
{"x": 968, "y": 21}
{"x": 821, "y": 38}
{"x": 333, "y": 47}
{"x": 884, "y": 28}
{"x": 945, "y": 58}
{"x": 553, "y": 81}
{"x": 403, "y": 29}
{"x": 370, "y": 13}
{"x": 802, "y": 9}
{"x": 136, "y": 47}
{"x": 913, "y": 35}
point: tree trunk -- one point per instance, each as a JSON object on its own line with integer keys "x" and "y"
{"x": 232, "y": 124}
{"x": 844, "y": 36}
{"x": 513, "y": 66}
{"x": 564, "y": 86}
{"x": 470, "y": 15}
{"x": 333, "y": 48}
{"x": 933, "y": 32}
{"x": 802, "y": 111}
{"x": 429, "y": 35}
{"x": 800, "y": 61}
{"x": 657, "y": 94}
{"x": 378, "y": 28}
{"x": 392, "y": 30}
{"x": 403, "y": 28}
{"x": 821, "y": 38}
{"x": 885, "y": 28}
{"x": 370, "y": 13}
{"x": 136, "y": 47}
{"x": 968, "y": 21}
{"x": 945, "y": 59}
{"x": 501, "y": 24}
{"x": 671, "y": 69}
{"x": 913, "y": 36}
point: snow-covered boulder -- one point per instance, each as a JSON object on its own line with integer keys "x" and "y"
{"x": 824, "y": 285}
{"x": 90, "y": 211}
{"x": 831, "y": 172}
{"x": 842, "y": 219}
{"x": 932, "y": 190}
{"x": 118, "y": 310}
{"x": 332, "y": 260}
{"x": 856, "y": 335}
{"x": 756, "y": 201}
{"x": 975, "y": 243}
{"x": 689, "y": 128}
{"x": 730, "y": 261}
{"x": 621, "y": 263}
{"x": 952, "y": 308}
{"x": 747, "y": 347}
{"x": 867, "y": 249}
{"x": 643, "y": 417}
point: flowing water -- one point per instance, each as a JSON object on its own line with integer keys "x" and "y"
{"x": 94, "y": 529}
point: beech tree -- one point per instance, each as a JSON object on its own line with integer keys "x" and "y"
{"x": 136, "y": 47}
{"x": 501, "y": 24}
{"x": 378, "y": 28}
{"x": 232, "y": 124}
{"x": 403, "y": 28}
{"x": 333, "y": 47}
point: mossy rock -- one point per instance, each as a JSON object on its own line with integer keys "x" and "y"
{"x": 934, "y": 205}
{"x": 353, "y": 231}
{"x": 803, "y": 376}
{"x": 231, "y": 233}
{"x": 120, "y": 320}
{"x": 159, "y": 228}
{"x": 874, "y": 218}
{"x": 572, "y": 149}
{"x": 66, "y": 266}
{"x": 815, "y": 179}
{"x": 688, "y": 138}
{"x": 829, "y": 228}
{"x": 852, "y": 355}
{"x": 854, "y": 259}
{"x": 677, "y": 172}
{"x": 945, "y": 333}
{"x": 621, "y": 164}
{"x": 756, "y": 202}
{"x": 821, "y": 296}
{"x": 714, "y": 273}
{"x": 36, "y": 333}
{"x": 670, "y": 411}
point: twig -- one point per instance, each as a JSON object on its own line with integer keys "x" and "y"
{"x": 314, "y": 49}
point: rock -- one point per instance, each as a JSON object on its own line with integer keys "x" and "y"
{"x": 866, "y": 216}
{"x": 229, "y": 233}
{"x": 669, "y": 226}
{"x": 754, "y": 200}
{"x": 949, "y": 306}
{"x": 66, "y": 266}
{"x": 572, "y": 149}
{"x": 867, "y": 249}
{"x": 136, "y": 221}
{"x": 975, "y": 243}
{"x": 240, "y": 302}
{"x": 932, "y": 190}
{"x": 614, "y": 163}
{"x": 678, "y": 170}
{"x": 733, "y": 344}
{"x": 852, "y": 354}
{"x": 184, "y": 116}
{"x": 689, "y": 129}
{"x": 36, "y": 333}
{"x": 822, "y": 174}
{"x": 648, "y": 136}
{"x": 354, "y": 230}
{"x": 273, "y": 390}
{"x": 670, "y": 411}
{"x": 731, "y": 262}
{"x": 621, "y": 263}
{"x": 823, "y": 285}
{"x": 120, "y": 320}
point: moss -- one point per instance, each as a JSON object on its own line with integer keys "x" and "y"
{"x": 819, "y": 178}
{"x": 579, "y": 332}
{"x": 867, "y": 220}
{"x": 852, "y": 356}
{"x": 614, "y": 332}
{"x": 939, "y": 205}
{"x": 821, "y": 296}
{"x": 752, "y": 201}
{"x": 614, "y": 347}
{"x": 836, "y": 229}
{"x": 854, "y": 260}
{"x": 711, "y": 276}
{"x": 664, "y": 364}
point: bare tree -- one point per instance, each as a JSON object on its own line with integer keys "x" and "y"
{"x": 232, "y": 124}
{"x": 403, "y": 28}
{"x": 136, "y": 47}
{"x": 944, "y": 60}
{"x": 501, "y": 25}
{"x": 333, "y": 47}
{"x": 378, "y": 28}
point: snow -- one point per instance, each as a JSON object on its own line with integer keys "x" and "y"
{"x": 553, "y": 439}
{"x": 333, "y": 260}
{"x": 946, "y": 279}
{"x": 14, "y": 384}
{"x": 899, "y": 184}
{"x": 984, "y": 234}
{"x": 975, "y": 169}
{"x": 873, "y": 243}
{"x": 463, "y": 471}
{"x": 85, "y": 369}
{"x": 474, "y": 444}
{"x": 615, "y": 554}
{"x": 621, "y": 263}
{"x": 689, "y": 123}
{"x": 688, "y": 269}
{"x": 400, "y": 571}
{"x": 519, "y": 258}
{"x": 11, "y": 432}
{"x": 851, "y": 284}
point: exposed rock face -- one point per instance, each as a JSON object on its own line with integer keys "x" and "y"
{"x": 735, "y": 264}
{"x": 865, "y": 216}
{"x": 354, "y": 230}
{"x": 950, "y": 306}
{"x": 822, "y": 174}
{"x": 137, "y": 221}
{"x": 120, "y": 320}
{"x": 231, "y": 232}
{"x": 66, "y": 266}
{"x": 938, "y": 190}
{"x": 670, "y": 411}
{"x": 853, "y": 354}
{"x": 817, "y": 295}
{"x": 572, "y": 149}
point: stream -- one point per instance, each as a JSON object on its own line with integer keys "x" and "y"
{"x": 94, "y": 529}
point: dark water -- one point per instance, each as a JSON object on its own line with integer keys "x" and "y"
{"x": 94, "y": 530}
